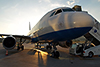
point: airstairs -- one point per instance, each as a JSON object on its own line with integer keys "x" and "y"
{"x": 94, "y": 34}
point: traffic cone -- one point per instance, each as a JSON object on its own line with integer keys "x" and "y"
{"x": 6, "y": 52}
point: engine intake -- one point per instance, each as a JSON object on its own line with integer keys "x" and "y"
{"x": 9, "y": 42}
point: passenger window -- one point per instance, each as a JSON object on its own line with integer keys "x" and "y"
{"x": 59, "y": 11}
{"x": 52, "y": 14}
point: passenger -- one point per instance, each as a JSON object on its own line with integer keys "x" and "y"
{"x": 82, "y": 49}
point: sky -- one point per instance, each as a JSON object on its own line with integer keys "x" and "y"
{"x": 15, "y": 15}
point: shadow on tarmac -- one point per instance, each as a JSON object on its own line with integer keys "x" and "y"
{"x": 31, "y": 52}
{"x": 10, "y": 52}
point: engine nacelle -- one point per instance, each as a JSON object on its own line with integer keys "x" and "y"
{"x": 9, "y": 42}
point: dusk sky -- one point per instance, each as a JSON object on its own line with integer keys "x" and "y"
{"x": 15, "y": 15}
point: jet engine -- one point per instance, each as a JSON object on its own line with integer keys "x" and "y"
{"x": 9, "y": 42}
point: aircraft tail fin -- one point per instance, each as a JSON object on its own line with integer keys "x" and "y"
{"x": 29, "y": 26}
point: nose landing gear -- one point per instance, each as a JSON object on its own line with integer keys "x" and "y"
{"x": 55, "y": 53}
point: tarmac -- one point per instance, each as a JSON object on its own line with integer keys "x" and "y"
{"x": 31, "y": 58}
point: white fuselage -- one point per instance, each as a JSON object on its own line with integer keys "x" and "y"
{"x": 61, "y": 26}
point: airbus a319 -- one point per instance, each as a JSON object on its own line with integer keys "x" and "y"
{"x": 58, "y": 25}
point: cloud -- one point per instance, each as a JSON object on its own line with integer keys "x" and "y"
{"x": 40, "y": 1}
{"x": 70, "y": 2}
{"x": 48, "y": 1}
{"x": 57, "y": 5}
{"x": 99, "y": 0}
{"x": 15, "y": 5}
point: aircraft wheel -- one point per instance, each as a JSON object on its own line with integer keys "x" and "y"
{"x": 18, "y": 48}
{"x": 22, "y": 47}
{"x": 55, "y": 54}
{"x": 48, "y": 47}
{"x": 90, "y": 55}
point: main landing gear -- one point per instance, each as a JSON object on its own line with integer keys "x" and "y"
{"x": 20, "y": 46}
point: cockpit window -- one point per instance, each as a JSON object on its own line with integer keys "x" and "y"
{"x": 52, "y": 14}
{"x": 59, "y": 11}
{"x": 67, "y": 10}
{"x": 56, "y": 12}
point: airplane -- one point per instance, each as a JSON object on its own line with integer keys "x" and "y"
{"x": 58, "y": 25}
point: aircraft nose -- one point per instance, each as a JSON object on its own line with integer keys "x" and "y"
{"x": 82, "y": 20}
{"x": 78, "y": 23}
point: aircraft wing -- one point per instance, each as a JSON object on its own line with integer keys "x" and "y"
{"x": 10, "y": 41}
{"x": 16, "y": 36}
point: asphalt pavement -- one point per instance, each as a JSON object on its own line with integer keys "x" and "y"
{"x": 31, "y": 58}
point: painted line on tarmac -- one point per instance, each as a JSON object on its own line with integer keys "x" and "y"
{"x": 62, "y": 58}
{"x": 86, "y": 58}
